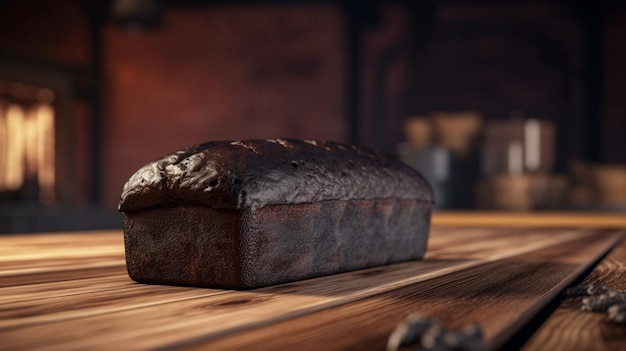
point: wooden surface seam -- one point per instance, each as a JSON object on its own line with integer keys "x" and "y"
{"x": 570, "y": 329}
{"x": 366, "y": 323}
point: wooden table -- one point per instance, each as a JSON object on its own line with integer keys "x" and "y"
{"x": 70, "y": 291}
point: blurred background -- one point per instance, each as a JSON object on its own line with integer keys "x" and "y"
{"x": 503, "y": 105}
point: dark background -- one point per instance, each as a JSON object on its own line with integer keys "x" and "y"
{"x": 132, "y": 86}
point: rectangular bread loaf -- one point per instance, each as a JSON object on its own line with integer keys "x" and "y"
{"x": 246, "y": 214}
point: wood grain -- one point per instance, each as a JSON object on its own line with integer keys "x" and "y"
{"x": 494, "y": 295}
{"x": 529, "y": 219}
{"x": 50, "y": 276}
{"x": 569, "y": 328}
{"x": 68, "y": 287}
{"x": 111, "y": 312}
{"x": 59, "y": 252}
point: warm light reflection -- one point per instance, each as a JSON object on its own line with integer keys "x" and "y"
{"x": 27, "y": 148}
{"x": 14, "y": 166}
{"x": 3, "y": 147}
{"x": 45, "y": 152}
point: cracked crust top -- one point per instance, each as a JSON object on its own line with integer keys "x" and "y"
{"x": 251, "y": 174}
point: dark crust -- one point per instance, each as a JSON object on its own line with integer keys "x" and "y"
{"x": 252, "y": 174}
{"x": 226, "y": 249}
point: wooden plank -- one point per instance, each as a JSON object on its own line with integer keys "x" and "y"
{"x": 121, "y": 298}
{"x": 74, "y": 252}
{"x": 42, "y": 258}
{"x": 17, "y": 293}
{"x": 438, "y": 249}
{"x": 61, "y": 239}
{"x": 442, "y": 219}
{"x": 42, "y": 277}
{"x": 60, "y": 264}
{"x": 479, "y": 243}
{"x": 48, "y": 253}
{"x": 569, "y": 328}
{"x": 493, "y": 295}
{"x": 142, "y": 325}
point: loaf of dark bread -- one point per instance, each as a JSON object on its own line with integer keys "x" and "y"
{"x": 246, "y": 214}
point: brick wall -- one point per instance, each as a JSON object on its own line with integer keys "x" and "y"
{"x": 49, "y": 30}
{"x": 221, "y": 73}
